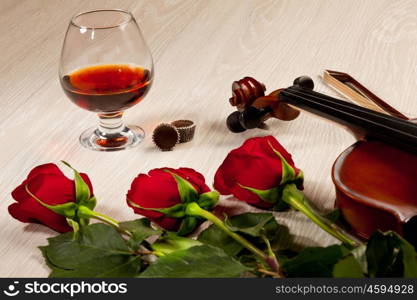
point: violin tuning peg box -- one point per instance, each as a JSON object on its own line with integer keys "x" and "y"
{"x": 254, "y": 107}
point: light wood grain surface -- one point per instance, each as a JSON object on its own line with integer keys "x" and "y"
{"x": 199, "y": 48}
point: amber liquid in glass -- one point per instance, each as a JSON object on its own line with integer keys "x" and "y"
{"x": 107, "y": 88}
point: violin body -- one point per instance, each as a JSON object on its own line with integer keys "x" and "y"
{"x": 376, "y": 188}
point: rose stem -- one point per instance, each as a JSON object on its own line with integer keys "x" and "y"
{"x": 271, "y": 254}
{"x": 298, "y": 201}
{"x": 88, "y": 213}
{"x": 85, "y": 212}
{"x": 193, "y": 209}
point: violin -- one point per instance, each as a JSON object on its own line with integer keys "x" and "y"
{"x": 375, "y": 178}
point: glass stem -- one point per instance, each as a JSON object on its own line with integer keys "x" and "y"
{"x": 110, "y": 123}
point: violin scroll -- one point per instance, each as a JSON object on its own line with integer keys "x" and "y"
{"x": 245, "y": 91}
{"x": 254, "y": 107}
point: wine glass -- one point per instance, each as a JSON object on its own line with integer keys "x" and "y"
{"x": 106, "y": 67}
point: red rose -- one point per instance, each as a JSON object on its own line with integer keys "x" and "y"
{"x": 157, "y": 196}
{"x": 52, "y": 187}
{"x": 257, "y": 164}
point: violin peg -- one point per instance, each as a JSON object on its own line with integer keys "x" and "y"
{"x": 233, "y": 122}
{"x": 251, "y": 117}
{"x": 304, "y": 82}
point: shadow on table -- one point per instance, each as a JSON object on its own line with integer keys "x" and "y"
{"x": 39, "y": 228}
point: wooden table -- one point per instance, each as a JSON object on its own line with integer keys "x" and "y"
{"x": 199, "y": 48}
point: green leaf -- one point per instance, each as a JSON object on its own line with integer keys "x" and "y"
{"x": 74, "y": 225}
{"x": 360, "y": 255}
{"x": 299, "y": 179}
{"x": 280, "y": 206}
{"x": 389, "y": 255}
{"x": 348, "y": 267}
{"x": 333, "y": 216}
{"x": 271, "y": 196}
{"x": 252, "y": 224}
{"x": 67, "y": 209}
{"x": 216, "y": 237}
{"x": 208, "y": 200}
{"x": 83, "y": 222}
{"x": 171, "y": 242}
{"x": 82, "y": 191}
{"x": 252, "y": 262}
{"x": 188, "y": 224}
{"x": 285, "y": 254}
{"x": 313, "y": 261}
{"x": 196, "y": 262}
{"x": 175, "y": 211}
{"x": 141, "y": 229}
{"x": 97, "y": 251}
{"x": 288, "y": 172}
{"x": 111, "y": 268}
{"x": 91, "y": 203}
{"x": 186, "y": 190}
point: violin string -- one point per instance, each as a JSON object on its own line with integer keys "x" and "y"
{"x": 356, "y": 109}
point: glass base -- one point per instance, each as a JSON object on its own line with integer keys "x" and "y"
{"x": 130, "y": 136}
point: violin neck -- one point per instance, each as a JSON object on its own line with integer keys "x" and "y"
{"x": 372, "y": 124}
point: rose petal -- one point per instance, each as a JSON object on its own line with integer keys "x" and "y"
{"x": 171, "y": 224}
{"x": 254, "y": 164}
{"x": 249, "y": 197}
{"x": 49, "y": 168}
{"x": 195, "y": 178}
{"x": 157, "y": 190}
{"x": 19, "y": 193}
{"x": 52, "y": 189}
{"x": 30, "y": 212}
{"x": 251, "y": 167}
{"x": 219, "y": 182}
{"x": 88, "y": 182}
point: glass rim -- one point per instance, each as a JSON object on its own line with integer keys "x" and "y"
{"x": 74, "y": 23}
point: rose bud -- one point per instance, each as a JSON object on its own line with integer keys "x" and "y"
{"x": 256, "y": 171}
{"x": 262, "y": 173}
{"x": 163, "y": 195}
{"x": 48, "y": 197}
